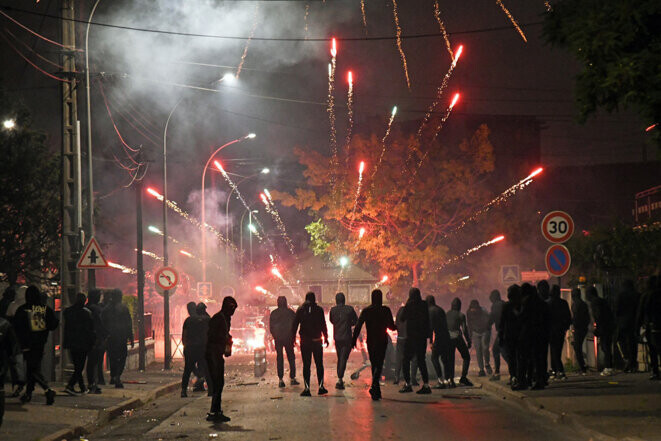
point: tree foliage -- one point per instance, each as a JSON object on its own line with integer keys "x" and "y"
{"x": 406, "y": 210}
{"x": 618, "y": 45}
{"x": 29, "y": 178}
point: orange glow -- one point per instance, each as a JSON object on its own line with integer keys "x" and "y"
{"x": 350, "y": 78}
{"x": 458, "y": 53}
{"x": 497, "y": 239}
{"x": 361, "y": 233}
{"x": 333, "y": 50}
{"x": 384, "y": 279}
{"x": 652, "y": 127}
{"x": 454, "y": 100}
{"x": 535, "y": 173}
{"x": 218, "y": 165}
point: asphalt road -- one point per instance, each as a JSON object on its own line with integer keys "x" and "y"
{"x": 261, "y": 411}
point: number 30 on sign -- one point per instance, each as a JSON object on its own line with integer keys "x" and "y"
{"x": 557, "y": 227}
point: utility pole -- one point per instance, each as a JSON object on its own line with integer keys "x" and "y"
{"x": 141, "y": 273}
{"x": 69, "y": 274}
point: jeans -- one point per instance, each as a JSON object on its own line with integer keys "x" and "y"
{"x": 415, "y": 348}
{"x": 579, "y": 337}
{"x": 343, "y": 349}
{"x": 481, "y": 341}
{"x": 78, "y": 359}
{"x": 289, "y": 349}
{"x": 458, "y": 344}
{"x": 308, "y": 350}
{"x": 216, "y": 365}
{"x": 557, "y": 341}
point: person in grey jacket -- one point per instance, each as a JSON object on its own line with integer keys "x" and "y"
{"x": 344, "y": 318}
{"x": 280, "y": 326}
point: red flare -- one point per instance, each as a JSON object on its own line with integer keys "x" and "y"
{"x": 333, "y": 50}
{"x": 454, "y": 100}
{"x": 350, "y": 78}
{"x": 497, "y": 239}
{"x": 457, "y": 54}
{"x": 535, "y": 173}
{"x": 154, "y": 193}
{"x": 218, "y": 165}
{"x": 361, "y": 168}
{"x": 652, "y": 127}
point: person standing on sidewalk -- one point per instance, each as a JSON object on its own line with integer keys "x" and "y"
{"x": 559, "y": 323}
{"x": 580, "y": 323}
{"x": 626, "y": 306}
{"x": 458, "y": 330}
{"x": 509, "y": 332}
{"x": 104, "y": 302}
{"x": 281, "y": 322}
{"x": 494, "y": 318}
{"x": 32, "y": 323}
{"x": 377, "y": 319}
{"x": 117, "y": 320}
{"x": 533, "y": 341}
{"x": 604, "y": 328}
{"x": 649, "y": 317}
{"x": 480, "y": 330}
{"x": 416, "y": 319}
{"x": 79, "y": 338}
{"x": 9, "y": 349}
{"x": 192, "y": 337}
{"x": 219, "y": 345}
{"x": 344, "y": 318}
{"x": 441, "y": 343}
{"x": 95, "y": 355}
{"x": 314, "y": 336}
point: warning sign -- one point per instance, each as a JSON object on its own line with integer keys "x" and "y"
{"x": 92, "y": 257}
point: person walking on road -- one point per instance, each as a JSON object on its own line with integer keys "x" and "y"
{"x": 9, "y": 349}
{"x": 416, "y": 319}
{"x": 377, "y": 319}
{"x": 79, "y": 338}
{"x": 494, "y": 319}
{"x": 219, "y": 345}
{"x": 281, "y": 322}
{"x": 559, "y": 323}
{"x": 626, "y": 306}
{"x": 509, "y": 333}
{"x": 441, "y": 342}
{"x": 32, "y": 323}
{"x": 344, "y": 318}
{"x": 604, "y": 327}
{"x": 480, "y": 329}
{"x": 95, "y": 355}
{"x": 458, "y": 329}
{"x": 314, "y": 336}
{"x": 117, "y": 320}
{"x": 193, "y": 337}
{"x": 580, "y": 321}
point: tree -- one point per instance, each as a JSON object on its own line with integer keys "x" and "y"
{"x": 618, "y": 45}
{"x": 29, "y": 178}
{"x": 407, "y": 206}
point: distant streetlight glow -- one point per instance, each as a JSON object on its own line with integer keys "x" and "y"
{"x": 344, "y": 261}
{"x": 9, "y": 124}
{"x": 229, "y": 77}
{"x": 251, "y": 136}
{"x": 265, "y": 171}
{"x": 252, "y": 228}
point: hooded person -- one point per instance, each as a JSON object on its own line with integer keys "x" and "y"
{"x": 626, "y": 306}
{"x": 314, "y": 335}
{"x": 219, "y": 345}
{"x": 544, "y": 292}
{"x": 344, "y": 318}
{"x": 399, "y": 350}
{"x": 441, "y": 342}
{"x": 281, "y": 322}
{"x": 604, "y": 327}
{"x": 201, "y": 310}
{"x": 494, "y": 318}
{"x": 95, "y": 355}
{"x": 416, "y": 319}
{"x": 377, "y": 319}
{"x": 559, "y": 323}
{"x": 193, "y": 338}
{"x": 580, "y": 323}
{"x": 480, "y": 328}
{"x": 509, "y": 332}
{"x": 79, "y": 338}
{"x": 533, "y": 339}
{"x": 33, "y": 322}
{"x": 458, "y": 329}
{"x": 117, "y": 320}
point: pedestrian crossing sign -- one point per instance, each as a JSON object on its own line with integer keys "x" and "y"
{"x": 92, "y": 257}
{"x": 510, "y": 274}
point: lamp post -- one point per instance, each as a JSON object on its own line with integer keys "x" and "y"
{"x": 204, "y": 174}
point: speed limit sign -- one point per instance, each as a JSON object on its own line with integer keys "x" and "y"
{"x": 557, "y": 227}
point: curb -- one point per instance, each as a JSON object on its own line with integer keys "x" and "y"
{"x": 109, "y": 414}
{"x": 534, "y": 406}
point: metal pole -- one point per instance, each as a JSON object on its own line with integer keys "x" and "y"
{"x": 250, "y": 238}
{"x": 141, "y": 278}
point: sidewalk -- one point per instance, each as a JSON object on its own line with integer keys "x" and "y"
{"x": 623, "y": 406}
{"x": 74, "y": 416}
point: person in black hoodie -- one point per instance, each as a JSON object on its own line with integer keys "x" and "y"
{"x": 343, "y": 317}
{"x": 494, "y": 318}
{"x": 201, "y": 370}
{"x": 559, "y": 323}
{"x": 457, "y": 326}
{"x": 626, "y": 305}
{"x": 604, "y": 327}
{"x": 509, "y": 332}
{"x": 280, "y": 326}
{"x": 533, "y": 340}
{"x": 32, "y": 323}
{"x": 117, "y": 320}
{"x": 479, "y": 325}
{"x": 95, "y": 355}
{"x": 580, "y": 323}
{"x": 193, "y": 336}
{"x": 416, "y": 319}
{"x": 314, "y": 336}
{"x": 441, "y": 342}
{"x": 9, "y": 349}
{"x": 377, "y": 319}
{"x": 219, "y": 345}
{"x": 79, "y": 338}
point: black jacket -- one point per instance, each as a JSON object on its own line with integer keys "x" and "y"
{"x": 9, "y": 346}
{"x": 343, "y": 318}
{"x": 194, "y": 331}
{"x": 416, "y": 319}
{"x": 312, "y": 321}
{"x": 509, "y": 328}
{"x": 219, "y": 332}
{"x": 439, "y": 325}
{"x": 580, "y": 316}
{"x": 478, "y": 320}
{"x": 559, "y": 314}
{"x": 79, "y": 332}
{"x": 99, "y": 328}
{"x": 117, "y": 321}
{"x": 377, "y": 319}
{"x": 496, "y": 313}
{"x": 603, "y": 317}
{"x": 626, "y": 306}
{"x": 281, "y": 323}
{"x": 457, "y": 321}
{"x": 33, "y": 321}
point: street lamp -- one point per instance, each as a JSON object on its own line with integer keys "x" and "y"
{"x": 9, "y": 124}
{"x": 344, "y": 261}
{"x": 204, "y": 174}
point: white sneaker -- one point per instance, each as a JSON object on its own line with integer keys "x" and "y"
{"x": 607, "y": 372}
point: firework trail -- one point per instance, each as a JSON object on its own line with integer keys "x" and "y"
{"x": 276, "y": 272}
{"x": 398, "y": 30}
{"x": 250, "y": 37}
{"x": 383, "y": 142}
{"x": 471, "y": 251}
{"x": 523, "y": 183}
{"x": 361, "y": 169}
{"x": 548, "y": 5}
{"x": 155, "y": 230}
{"x": 364, "y": 16}
{"x": 270, "y": 208}
{"x": 509, "y": 15}
{"x": 305, "y": 19}
{"x": 444, "y": 32}
{"x": 331, "y": 108}
{"x": 350, "y": 115}
{"x": 125, "y": 269}
{"x": 150, "y": 254}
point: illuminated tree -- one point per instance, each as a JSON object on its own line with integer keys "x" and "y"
{"x": 406, "y": 210}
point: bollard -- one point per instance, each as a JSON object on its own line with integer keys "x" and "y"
{"x": 260, "y": 362}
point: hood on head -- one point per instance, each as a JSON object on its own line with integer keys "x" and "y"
{"x": 229, "y": 305}
{"x": 116, "y": 296}
{"x": 81, "y": 298}
{"x": 201, "y": 308}
{"x": 555, "y": 292}
{"x": 514, "y": 294}
{"x": 456, "y": 304}
{"x": 340, "y": 299}
{"x": 575, "y": 294}
{"x": 94, "y": 296}
{"x": 528, "y": 290}
{"x": 282, "y": 302}
{"x": 543, "y": 289}
{"x": 494, "y": 296}
{"x": 431, "y": 301}
{"x": 190, "y": 307}
{"x": 414, "y": 295}
{"x": 310, "y": 298}
{"x": 377, "y": 297}
{"x": 32, "y": 296}
{"x": 474, "y": 304}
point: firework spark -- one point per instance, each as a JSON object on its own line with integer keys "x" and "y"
{"x": 509, "y": 15}
{"x": 331, "y": 109}
{"x": 125, "y": 269}
{"x": 364, "y": 16}
{"x": 361, "y": 169}
{"x": 361, "y": 232}
{"x": 383, "y": 142}
{"x": 150, "y": 254}
{"x": 441, "y": 25}
{"x": 270, "y": 208}
{"x": 250, "y": 37}
{"x": 472, "y": 250}
{"x": 455, "y": 99}
{"x": 349, "y": 114}
{"x": 305, "y": 19}
{"x": 398, "y": 30}
{"x": 548, "y": 5}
